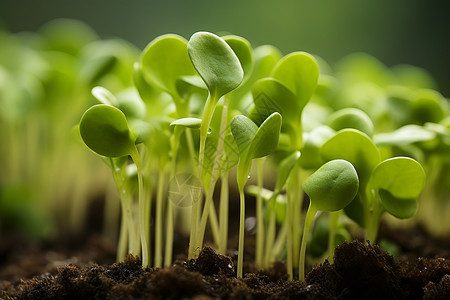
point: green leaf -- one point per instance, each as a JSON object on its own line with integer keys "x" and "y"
{"x": 333, "y": 186}
{"x": 104, "y": 96}
{"x": 284, "y": 169}
{"x": 104, "y": 129}
{"x": 400, "y": 180}
{"x": 355, "y": 147}
{"x": 299, "y": 72}
{"x": 310, "y": 158}
{"x": 405, "y": 135}
{"x": 131, "y": 104}
{"x": 243, "y": 51}
{"x": 243, "y": 130}
{"x": 216, "y": 63}
{"x": 266, "y": 137}
{"x": 165, "y": 60}
{"x": 269, "y": 96}
{"x": 401, "y": 208}
{"x": 187, "y": 122}
{"x": 351, "y": 118}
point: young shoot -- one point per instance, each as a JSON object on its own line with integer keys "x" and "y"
{"x": 253, "y": 142}
{"x": 220, "y": 69}
{"x": 331, "y": 188}
{"x": 104, "y": 129}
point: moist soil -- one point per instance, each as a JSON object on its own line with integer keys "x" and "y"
{"x": 83, "y": 270}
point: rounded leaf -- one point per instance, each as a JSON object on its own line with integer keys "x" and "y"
{"x": 266, "y": 137}
{"x": 333, "y": 186}
{"x": 243, "y": 130}
{"x": 357, "y": 148}
{"x": 165, "y": 60}
{"x": 243, "y": 51}
{"x": 299, "y": 71}
{"x": 269, "y": 96}
{"x": 216, "y": 63}
{"x": 351, "y": 118}
{"x": 400, "y": 180}
{"x": 104, "y": 129}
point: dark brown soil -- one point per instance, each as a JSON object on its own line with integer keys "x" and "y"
{"x": 359, "y": 272}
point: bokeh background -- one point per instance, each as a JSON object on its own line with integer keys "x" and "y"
{"x": 414, "y": 32}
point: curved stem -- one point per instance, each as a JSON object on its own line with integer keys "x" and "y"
{"x": 308, "y": 220}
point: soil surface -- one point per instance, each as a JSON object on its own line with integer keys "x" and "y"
{"x": 359, "y": 271}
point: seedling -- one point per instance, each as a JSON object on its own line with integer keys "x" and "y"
{"x": 253, "y": 142}
{"x": 220, "y": 69}
{"x": 105, "y": 130}
{"x": 331, "y": 188}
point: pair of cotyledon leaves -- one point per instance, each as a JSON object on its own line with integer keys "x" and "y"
{"x": 398, "y": 181}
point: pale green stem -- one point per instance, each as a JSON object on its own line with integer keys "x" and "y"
{"x": 374, "y": 222}
{"x": 297, "y": 213}
{"x": 223, "y": 214}
{"x": 270, "y": 238}
{"x": 204, "y": 127}
{"x": 169, "y": 215}
{"x": 308, "y": 220}
{"x": 214, "y": 223}
{"x": 158, "y": 216}
{"x": 123, "y": 236}
{"x": 280, "y": 242}
{"x": 126, "y": 202}
{"x": 333, "y": 223}
{"x": 212, "y": 183}
{"x": 292, "y": 186}
{"x": 259, "y": 216}
{"x": 142, "y": 225}
{"x": 240, "y": 262}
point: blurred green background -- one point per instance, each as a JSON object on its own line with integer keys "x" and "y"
{"x": 415, "y": 32}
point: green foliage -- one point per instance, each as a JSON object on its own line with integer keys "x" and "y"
{"x": 216, "y": 63}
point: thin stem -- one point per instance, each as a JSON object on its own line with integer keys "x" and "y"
{"x": 223, "y": 214}
{"x": 175, "y": 142}
{"x": 297, "y": 200}
{"x": 374, "y": 222}
{"x": 333, "y": 223}
{"x": 259, "y": 216}
{"x": 308, "y": 220}
{"x": 204, "y": 127}
{"x": 270, "y": 238}
{"x": 280, "y": 241}
{"x": 142, "y": 225}
{"x": 158, "y": 216}
{"x": 292, "y": 186}
{"x": 240, "y": 262}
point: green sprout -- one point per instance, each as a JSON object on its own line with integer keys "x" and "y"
{"x": 253, "y": 142}
{"x": 331, "y": 188}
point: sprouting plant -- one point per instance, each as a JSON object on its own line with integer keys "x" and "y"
{"x": 331, "y": 188}
{"x": 359, "y": 149}
{"x": 105, "y": 130}
{"x": 220, "y": 69}
{"x": 253, "y": 142}
{"x": 396, "y": 183}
